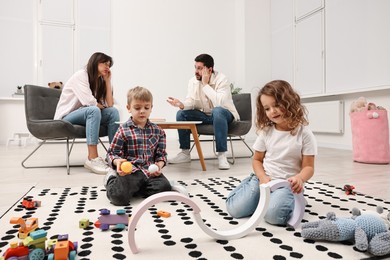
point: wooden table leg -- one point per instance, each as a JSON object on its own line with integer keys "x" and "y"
{"x": 194, "y": 132}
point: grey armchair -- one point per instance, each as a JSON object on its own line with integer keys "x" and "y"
{"x": 40, "y": 106}
{"x": 237, "y": 129}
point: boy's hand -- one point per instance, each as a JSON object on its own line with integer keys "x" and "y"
{"x": 118, "y": 163}
{"x": 296, "y": 184}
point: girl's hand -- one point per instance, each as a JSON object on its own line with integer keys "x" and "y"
{"x": 265, "y": 179}
{"x": 296, "y": 184}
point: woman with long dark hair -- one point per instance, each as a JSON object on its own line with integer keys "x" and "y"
{"x": 87, "y": 99}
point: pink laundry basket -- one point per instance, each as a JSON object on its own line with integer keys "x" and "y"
{"x": 370, "y": 136}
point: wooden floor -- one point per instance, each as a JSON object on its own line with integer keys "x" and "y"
{"x": 332, "y": 166}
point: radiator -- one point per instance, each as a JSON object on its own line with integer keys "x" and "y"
{"x": 326, "y": 117}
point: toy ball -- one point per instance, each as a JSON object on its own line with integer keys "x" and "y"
{"x": 126, "y": 167}
{"x": 153, "y": 168}
{"x": 375, "y": 115}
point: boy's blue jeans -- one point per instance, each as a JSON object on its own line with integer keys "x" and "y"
{"x": 219, "y": 118}
{"x": 243, "y": 201}
{"x": 92, "y": 117}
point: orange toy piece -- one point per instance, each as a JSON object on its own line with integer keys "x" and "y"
{"x": 26, "y": 226}
{"x": 163, "y": 214}
{"x": 126, "y": 167}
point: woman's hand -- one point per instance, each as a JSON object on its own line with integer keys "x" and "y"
{"x": 107, "y": 76}
{"x": 296, "y": 184}
{"x": 100, "y": 106}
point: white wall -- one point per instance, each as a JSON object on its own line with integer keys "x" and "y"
{"x": 155, "y": 42}
{"x": 344, "y": 141}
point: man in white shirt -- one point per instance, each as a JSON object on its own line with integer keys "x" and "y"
{"x": 209, "y": 100}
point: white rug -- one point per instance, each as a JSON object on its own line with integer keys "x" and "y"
{"x": 179, "y": 237}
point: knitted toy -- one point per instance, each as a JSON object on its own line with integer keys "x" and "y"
{"x": 368, "y": 230}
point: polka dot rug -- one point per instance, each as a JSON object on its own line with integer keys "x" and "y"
{"x": 178, "y": 236}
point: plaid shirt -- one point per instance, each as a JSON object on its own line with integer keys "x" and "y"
{"x": 140, "y": 146}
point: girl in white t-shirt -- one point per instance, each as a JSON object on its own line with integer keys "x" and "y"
{"x": 284, "y": 149}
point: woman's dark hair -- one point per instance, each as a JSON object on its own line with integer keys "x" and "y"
{"x": 206, "y": 59}
{"x": 96, "y": 83}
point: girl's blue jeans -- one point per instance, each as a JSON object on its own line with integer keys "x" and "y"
{"x": 92, "y": 118}
{"x": 219, "y": 118}
{"x": 243, "y": 201}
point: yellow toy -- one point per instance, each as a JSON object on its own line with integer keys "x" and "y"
{"x": 126, "y": 167}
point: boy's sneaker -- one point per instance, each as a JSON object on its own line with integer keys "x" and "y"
{"x": 223, "y": 164}
{"x": 97, "y": 165}
{"x": 181, "y": 157}
{"x": 110, "y": 174}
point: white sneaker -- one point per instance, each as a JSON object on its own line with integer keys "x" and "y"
{"x": 181, "y": 157}
{"x": 223, "y": 164}
{"x": 179, "y": 188}
{"x": 111, "y": 173}
{"x": 97, "y": 165}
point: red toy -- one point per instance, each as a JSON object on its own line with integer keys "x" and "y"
{"x": 33, "y": 247}
{"x": 348, "y": 189}
{"x": 29, "y": 203}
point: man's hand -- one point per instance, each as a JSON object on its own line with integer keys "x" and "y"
{"x": 206, "y": 74}
{"x": 175, "y": 102}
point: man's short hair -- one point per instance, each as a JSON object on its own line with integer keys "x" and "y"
{"x": 206, "y": 59}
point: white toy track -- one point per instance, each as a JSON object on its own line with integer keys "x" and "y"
{"x": 238, "y": 232}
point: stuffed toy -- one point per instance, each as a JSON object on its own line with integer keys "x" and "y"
{"x": 369, "y": 232}
{"x": 57, "y": 85}
{"x": 379, "y": 212}
{"x": 358, "y": 104}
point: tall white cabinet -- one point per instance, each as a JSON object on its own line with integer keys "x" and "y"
{"x": 330, "y": 46}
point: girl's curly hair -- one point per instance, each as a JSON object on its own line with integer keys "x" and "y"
{"x": 288, "y": 101}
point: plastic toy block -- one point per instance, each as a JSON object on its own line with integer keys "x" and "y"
{"x": 104, "y": 212}
{"x": 163, "y": 214}
{"x": 29, "y": 203}
{"x": 114, "y": 219}
{"x": 62, "y": 237}
{"x": 104, "y": 227}
{"x": 61, "y": 250}
{"x": 120, "y": 226}
{"x": 40, "y": 242}
{"x": 38, "y": 234}
{"x": 13, "y": 244}
{"x": 84, "y": 223}
{"x": 26, "y": 226}
{"x": 120, "y": 211}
